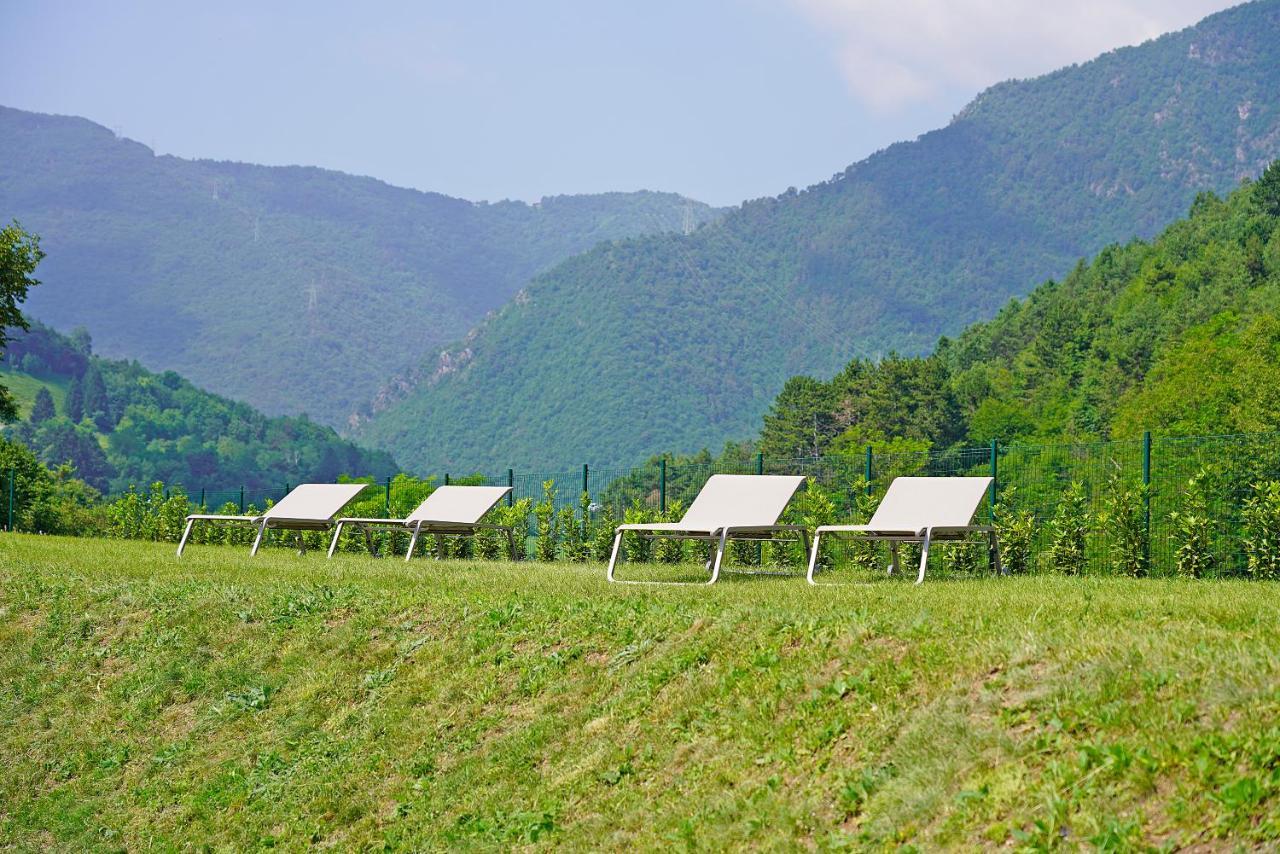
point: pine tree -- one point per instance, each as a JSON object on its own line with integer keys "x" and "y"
{"x": 75, "y": 400}
{"x": 42, "y": 410}
{"x": 96, "y": 404}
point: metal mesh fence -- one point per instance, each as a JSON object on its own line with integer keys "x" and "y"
{"x": 1220, "y": 472}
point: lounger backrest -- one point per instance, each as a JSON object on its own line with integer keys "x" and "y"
{"x": 463, "y": 505}
{"x": 314, "y": 502}
{"x": 912, "y": 503}
{"x": 748, "y": 500}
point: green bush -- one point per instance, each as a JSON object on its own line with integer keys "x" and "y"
{"x": 638, "y": 549}
{"x": 602, "y": 534}
{"x": 1262, "y": 530}
{"x": 1015, "y": 530}
{"x": 1124, "y": 522}
{"x": 1068, "y": 530}
{"x": 667, "y": 549}
{"x": 548, "y": 527}
{"x": 1193, "y": 530}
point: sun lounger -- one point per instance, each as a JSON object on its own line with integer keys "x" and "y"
{"x": 921, "y": 510}
{"x": 730, "y": 506}
{"x": 308, "y": 507}
{"x": 448, "y": 511}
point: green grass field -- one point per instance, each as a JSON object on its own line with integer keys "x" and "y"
{"x": 23, "y": 387}
{"x": 358, "y": 703}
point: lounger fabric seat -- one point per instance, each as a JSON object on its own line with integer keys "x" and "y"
{"x": 448, "y": 511}
{"x": 922, "y": 510}
{"x": 307, "y": 507}
{"x": 730, "y": 506}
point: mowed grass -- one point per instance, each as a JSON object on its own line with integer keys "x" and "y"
{"x": 291, "y": 701}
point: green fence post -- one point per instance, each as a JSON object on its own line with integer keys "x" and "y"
{"x": 759, "y": 547}
{"x": 1146, "y": 490}
{"x": 868, "y": 472}
{"x": 511, "y": 482}
{"x": 446, "y": 478}
{"x": 586, "y": 521}
{"x": 386, "y": 501}
{"x": 242, "y": 499}
{"x": 995, "y": 473}
{"x": 662, "y": 485}
{"x": 202, "y": 497}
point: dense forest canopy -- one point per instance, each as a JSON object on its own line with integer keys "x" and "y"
{"x": 117, "y": 424}
{"x": 673, "y": 342}
{"x": 1180, "y": 335}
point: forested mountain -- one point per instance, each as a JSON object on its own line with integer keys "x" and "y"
{"x": 295, "y": 289}
{"x": 1180, "y": 336}
{"x": 677, "y": 342}
{"x": 119, "y": 424}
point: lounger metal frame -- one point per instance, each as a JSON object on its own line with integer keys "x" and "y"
{"x": 265, "y": 521}
{"x": 440, "y": 528}
{"x": 719, "y": 532}
{"x": 926, "y": 535}
{"x": 719, "y": 536}
{"x": 416, "y": 529}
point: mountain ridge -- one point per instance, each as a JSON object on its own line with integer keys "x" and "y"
{"x": 294, "y": 288}
{"x": 681, "y": 342}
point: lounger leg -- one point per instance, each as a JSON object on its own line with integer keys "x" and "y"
{"x": 924, "y": 553}
{"x": 995, "y": 553}
{"x": 413, "y": 541}
{"x": 613, "y": 556}
{"x": 893, "y": 557}
{"x": 186, "y": 533}
{"x": 511, "y": 543}
{"x": 257, "y": 541}
{"x": 302, "y": 544}
{"x": 715, "y": 569}
{"x": 813, "y": 555}
{"x": 337, "y": 532}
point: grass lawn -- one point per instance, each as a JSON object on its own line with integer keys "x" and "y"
{"x": 356, "y": 702}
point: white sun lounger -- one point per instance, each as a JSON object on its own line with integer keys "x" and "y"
{"x": 730, "y": 506}
{"x": 921, "y": 510}
{"x": 307, "y": 507}
{"x": 448, "y": 511}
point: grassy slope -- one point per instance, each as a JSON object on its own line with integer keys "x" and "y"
{"x": 357, "y": 702}
{"x": 24, "y": 388}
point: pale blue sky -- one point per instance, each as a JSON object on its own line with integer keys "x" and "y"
{"x": 718, "y": 99}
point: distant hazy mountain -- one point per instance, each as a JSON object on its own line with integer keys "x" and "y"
{"x": 675, "y": 342}
{"x": 295, "y": 289}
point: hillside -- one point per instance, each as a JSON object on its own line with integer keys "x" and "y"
{"x": 286, "y": 702}
{"x": 119, "y": 424}
{"x": 294, "y": 289}
{"x": 1179, "y": 335}
{"x": 677, "y": 342}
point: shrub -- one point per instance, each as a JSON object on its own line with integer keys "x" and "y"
{"x": 638, "y": 549}
{"x": 602, "y": 534}
{"x": 1193, "y": 530}
{"x": 1124, "y": 521}
{"x": 571, "y": 547}
{"x": 1067, "y": 531}
{"x": 548, "y": 533}
{"x": 1262, "y": 530}
{"x": 1015, "y": 529}
{"x": 812, "y": 507}
{"x": 517, "y": 516}
{"x": 669, "y": 550}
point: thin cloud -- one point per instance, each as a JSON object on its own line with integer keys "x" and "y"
{"x": 897, "y": 53}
